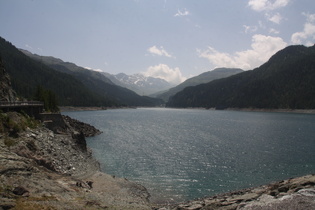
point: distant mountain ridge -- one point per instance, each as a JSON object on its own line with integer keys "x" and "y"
{"x": 286, "y": 81}
{"x": 97, "y": 82}
{"x": 141, "y": 84}
{"x": 205, "y": 77}
{"x": 66, "y": 67}
{"x": 138, "y": 83}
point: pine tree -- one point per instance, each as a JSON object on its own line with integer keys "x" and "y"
{"x": 48, "y": 97}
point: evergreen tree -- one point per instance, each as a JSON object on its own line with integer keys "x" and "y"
{"x": 48, "y": 97}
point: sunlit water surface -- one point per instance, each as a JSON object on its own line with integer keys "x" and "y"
{"x": 185, "y": 154}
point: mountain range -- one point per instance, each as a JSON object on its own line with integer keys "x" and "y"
{"x": 139, "y": 83}
{"x": 286, "y": 81}
{"x": 72, "y": 84}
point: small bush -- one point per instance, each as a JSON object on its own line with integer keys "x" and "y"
{"x": 29, "y": 121}
{"x": 15, "y": 129}
{"x": 9, "y": 142}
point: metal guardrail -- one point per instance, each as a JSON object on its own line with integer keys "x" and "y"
{"x": 20, "y": 103}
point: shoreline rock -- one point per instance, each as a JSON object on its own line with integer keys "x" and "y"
{"x": 86, "y": 129}
{"x": 295, "y": 193}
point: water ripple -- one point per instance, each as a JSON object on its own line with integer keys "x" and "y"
{"x": 185, "y": 154}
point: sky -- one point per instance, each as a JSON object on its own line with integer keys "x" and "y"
{"x": 168, "y": 39}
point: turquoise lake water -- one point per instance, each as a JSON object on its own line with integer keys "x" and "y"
{"x": 183, "y": 154}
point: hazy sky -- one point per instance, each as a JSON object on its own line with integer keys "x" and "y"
{"x": 172, "y": 39}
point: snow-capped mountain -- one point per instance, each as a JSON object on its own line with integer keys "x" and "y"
{"x": 141, "y": 84}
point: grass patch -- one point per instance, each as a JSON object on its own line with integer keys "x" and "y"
{"x": 31, "y": 203}
{"x": 13, "y": 123}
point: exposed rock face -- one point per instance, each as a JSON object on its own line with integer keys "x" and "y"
{"x": 6, "y": 92}
{"x": 58, "y": 152}
{"x": 40, "y": 169}
{"x": 86, "y": 129}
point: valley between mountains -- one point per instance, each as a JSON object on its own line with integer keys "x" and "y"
{"x": 43, "y": 168}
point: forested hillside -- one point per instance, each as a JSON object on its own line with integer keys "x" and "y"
{"x": 96, "y": 82}
{"x": 286, "y": 81}
{"x": 71, "y": 84}
{"x": 27, "y": 74}
{"x": 200, "y": 79}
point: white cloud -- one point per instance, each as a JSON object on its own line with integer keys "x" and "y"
{"x": 262, "y": 48}
{"x": 250, "y": 29}
{"x": 163, "y": 71}
{"x": 273, "y": 31}
{"x": 181, "y": 13}
{"x": 275, "y": 18}
{"x": 161, "y": 52}
{"x": 91, "y": 69}
{"x": 310, "y": 17}
{"x": 307, "y": 36}
{"x": 263, "y": 5}
{"x": 268, "y": 6}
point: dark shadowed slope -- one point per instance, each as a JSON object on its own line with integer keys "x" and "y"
{"x": 286, "y": 81}
{"x": 96, "y": 82}
{"x": 200, "y": 79}
{"x": 27, "y": 74}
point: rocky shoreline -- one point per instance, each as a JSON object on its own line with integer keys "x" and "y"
{"x": 293, "y": 194}
{"x": 42, "y": 169}
{"x": 85, "y": 128}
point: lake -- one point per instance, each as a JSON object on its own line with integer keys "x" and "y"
{"x": 183, "y": 154}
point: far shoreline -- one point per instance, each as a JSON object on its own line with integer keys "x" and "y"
{"x": 96, "y": 108}
{"x": 87, "y": 108}
{"x": 299, "y": 111}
